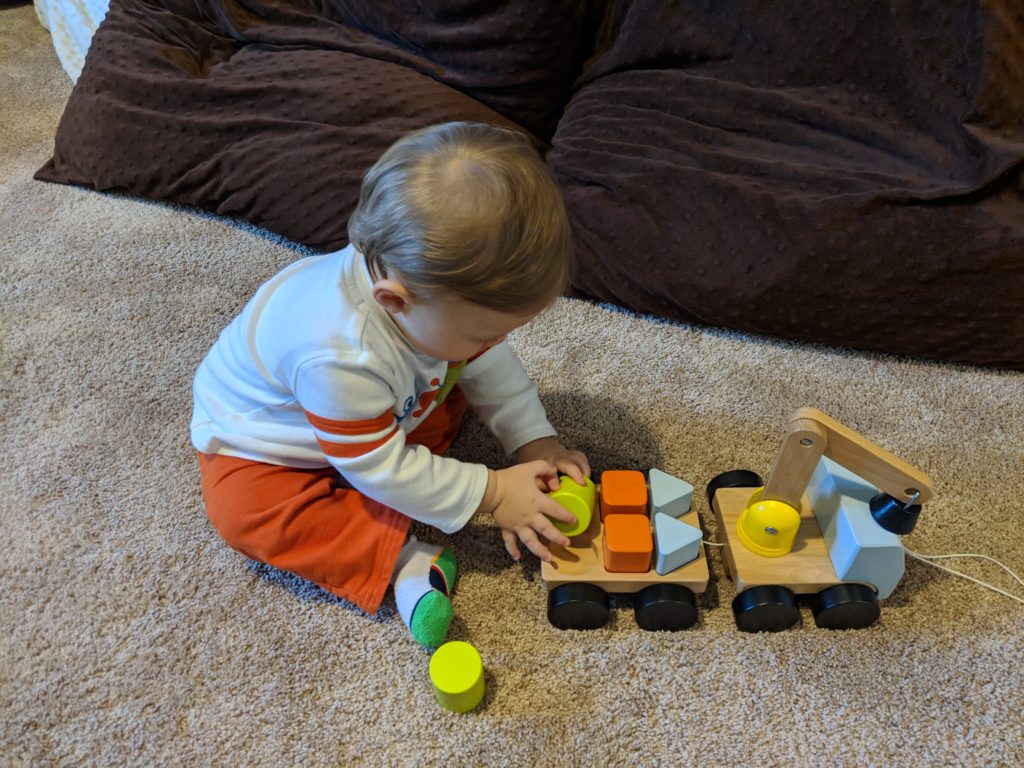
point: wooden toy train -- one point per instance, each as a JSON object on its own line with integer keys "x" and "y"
{"x": 825, "y": 528}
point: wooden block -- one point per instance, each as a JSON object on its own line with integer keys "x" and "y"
{"x": 676, "y": 543}
{"x": 669, "y": 495}
{"x": 623, "y": 492}
{"x": 627, "y": 543}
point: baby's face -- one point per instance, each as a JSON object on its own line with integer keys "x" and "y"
{"x": 453, "y": 329}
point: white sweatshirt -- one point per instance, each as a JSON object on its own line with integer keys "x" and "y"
{"x": 314, "y": 372}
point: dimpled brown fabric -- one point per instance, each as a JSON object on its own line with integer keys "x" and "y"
{"x": 850, "y": 176}
{"x": 842, "y": 174}
{"x": 517, "y": 58}
{"x": 271, "y": 111}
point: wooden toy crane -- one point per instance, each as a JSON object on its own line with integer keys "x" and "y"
{"x": 826, "y": 525}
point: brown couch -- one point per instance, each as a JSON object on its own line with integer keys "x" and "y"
{"x": 848, "y": 174}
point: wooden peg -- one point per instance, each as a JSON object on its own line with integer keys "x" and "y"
{"x": 798, "y": 455}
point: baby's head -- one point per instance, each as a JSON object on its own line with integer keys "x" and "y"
{"x": 466, "y": 210}
{"x": 465, "y": 235}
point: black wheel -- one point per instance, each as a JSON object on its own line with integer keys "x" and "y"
{"x": 735, "y": 478}
{"x": 845, "y": 606}
{"x": 765, "y": 609}
{"x": 578, "y": 606}
{"x": 669, "y": 607}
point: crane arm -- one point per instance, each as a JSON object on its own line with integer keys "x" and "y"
{"x": 812, "y": 434}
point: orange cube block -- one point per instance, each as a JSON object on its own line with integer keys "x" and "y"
{"x": 627, "y": 544}
{"x": 623, "y": 492}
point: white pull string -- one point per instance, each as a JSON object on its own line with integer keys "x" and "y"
{"x": 927, "y": 559}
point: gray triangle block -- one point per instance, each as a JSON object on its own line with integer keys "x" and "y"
{"x": 669, "y": 495}
{"x": 675, "y": 543}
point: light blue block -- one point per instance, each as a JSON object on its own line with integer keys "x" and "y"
{"x": 669, "y": 495}
{"x": 861, "y": 549}
{"x": 675, "y": 543}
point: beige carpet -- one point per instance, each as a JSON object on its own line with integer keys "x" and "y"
{"x": 132, "y": 635}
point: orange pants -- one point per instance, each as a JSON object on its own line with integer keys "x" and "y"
{"x": 310, "y": 522}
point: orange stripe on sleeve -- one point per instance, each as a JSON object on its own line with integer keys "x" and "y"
{"x": 363, "y": 427}
{"x": 353, "y": 450}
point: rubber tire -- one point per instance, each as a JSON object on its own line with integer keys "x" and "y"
{"x": 665, "y": 607}
{"x": 845, "y": 606}
{"x": 765, "y": 609}
{"x": 734, "y": 478}
{"x": 578, "y": 606}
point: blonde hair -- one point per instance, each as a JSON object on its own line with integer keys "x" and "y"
{"x": 466, "y": 208}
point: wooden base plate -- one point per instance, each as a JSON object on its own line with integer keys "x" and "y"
{"x": 805, "y": 570}
{"x": 583, "y": 561}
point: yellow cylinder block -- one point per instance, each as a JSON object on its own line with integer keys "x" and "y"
{"x": 581, "y": 500}
{"x": 768, "y": 528}
{"x": 458, "y": 676}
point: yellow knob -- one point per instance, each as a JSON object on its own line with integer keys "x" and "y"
{"x": 768, "y": 528}
{"x": 458, "y": 676}
{"x": 581, "y": 500}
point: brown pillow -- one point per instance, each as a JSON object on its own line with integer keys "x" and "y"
{"x": 850, "y": 178}
{"x": 268, "y": 111}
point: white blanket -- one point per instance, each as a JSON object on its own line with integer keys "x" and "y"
{"x": 72, "y": 24}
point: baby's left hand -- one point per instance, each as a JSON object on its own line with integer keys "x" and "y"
{"x": 549, "y": 449}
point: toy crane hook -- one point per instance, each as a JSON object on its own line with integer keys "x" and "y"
{"x": 769, "y": 524}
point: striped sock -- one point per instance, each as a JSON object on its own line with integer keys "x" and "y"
{"x": 443, "y": 571}
{"x": 424, "y": 577}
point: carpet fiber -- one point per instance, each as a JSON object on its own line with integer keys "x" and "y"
{"x": 133, "y": 635}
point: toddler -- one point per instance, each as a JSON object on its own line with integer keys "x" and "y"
{"x": 322, "y": 413}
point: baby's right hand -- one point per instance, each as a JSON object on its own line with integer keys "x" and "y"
{"x": 522, "y": 510}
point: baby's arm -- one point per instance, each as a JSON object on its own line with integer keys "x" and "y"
{"x": 501, "y": 392}
{"x": 497, "y": 385}
{"x": 350, "y": 407}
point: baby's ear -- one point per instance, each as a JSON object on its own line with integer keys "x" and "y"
{"x": 391, "y": 295}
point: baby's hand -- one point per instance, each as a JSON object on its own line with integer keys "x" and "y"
{"x": 521, "y": 509}
{"x": 571, "y": 463}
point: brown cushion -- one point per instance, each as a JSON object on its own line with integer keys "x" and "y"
{"x": 267, "y": 111}
{"x": 518, "y": 58}
{"x": 851, "y": 179}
